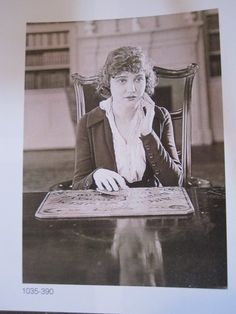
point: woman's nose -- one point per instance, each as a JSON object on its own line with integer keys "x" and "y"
{"x": 130, "y": 86}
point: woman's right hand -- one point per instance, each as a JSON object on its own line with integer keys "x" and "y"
{"x": 149, "y": 105}
{"x": 109, "y": 180}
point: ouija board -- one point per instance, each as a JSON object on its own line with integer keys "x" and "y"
{"x": 131, "y": 202}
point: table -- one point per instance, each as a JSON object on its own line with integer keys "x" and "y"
{"x": 172, "y": 251}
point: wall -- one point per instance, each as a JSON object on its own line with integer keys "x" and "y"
{"x": 170, "y": 41}
{"x": 47, "y": 120}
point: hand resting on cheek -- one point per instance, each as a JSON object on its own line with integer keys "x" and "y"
{"x": 148, "y": 105}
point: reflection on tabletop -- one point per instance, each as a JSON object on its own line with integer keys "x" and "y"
{"x": 139, "y": 253}
{"x": 171, "y": 251}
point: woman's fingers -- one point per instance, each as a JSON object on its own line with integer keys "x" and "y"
{"x": 98, "y": 179}
{"x": 120, "y": 180}
{"x": 107, "y": 184}
{"x": 149, "y": 114}
{"x": 149, "y": 106}
{"x": 109, "y": 180}
{"x": 147, "y": 122}
{"x": 99, "y": 184}
{"x": 111, "y": 184}
{"x": 148, "y": 100}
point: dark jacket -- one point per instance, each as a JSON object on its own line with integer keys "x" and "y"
{"x": 94, "y": 149}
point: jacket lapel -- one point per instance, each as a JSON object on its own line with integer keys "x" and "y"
{"x": 158, "y": 122}
{"x": 98, "y": 116}
{"x": 109, "y": 140}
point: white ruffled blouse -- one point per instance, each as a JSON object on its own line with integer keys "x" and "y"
{"x": 129, "y": 153}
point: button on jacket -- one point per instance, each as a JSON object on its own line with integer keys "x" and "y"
{"x": 94, "y": 149}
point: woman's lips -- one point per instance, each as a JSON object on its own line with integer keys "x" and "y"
{"x": 131, "y": 97}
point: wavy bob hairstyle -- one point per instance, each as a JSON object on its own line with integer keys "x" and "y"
{"x": 125, "y": 59}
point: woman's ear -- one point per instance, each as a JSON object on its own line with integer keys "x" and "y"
{"x": 105, "y": 92}
{"x": 148, "y": 90}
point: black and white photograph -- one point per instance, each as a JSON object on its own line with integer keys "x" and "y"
{"x": 124, "y": 153}
{"x": 117, "y": 123}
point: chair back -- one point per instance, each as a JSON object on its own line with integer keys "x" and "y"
{"x": 174, "y": 92}
{"x": 181, "y": 82}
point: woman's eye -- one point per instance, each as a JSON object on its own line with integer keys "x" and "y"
{"x": 139, "y": 79}
{"x": 122, "y": 81}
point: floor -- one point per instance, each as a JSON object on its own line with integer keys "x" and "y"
{"x": 43, "y": 169}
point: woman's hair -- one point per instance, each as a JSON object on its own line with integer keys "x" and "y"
{"x": 128, "y": 59}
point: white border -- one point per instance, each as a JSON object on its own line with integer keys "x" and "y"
{"x": 94, "y": 299}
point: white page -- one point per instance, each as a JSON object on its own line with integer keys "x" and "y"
{"x": 96, "y": 299}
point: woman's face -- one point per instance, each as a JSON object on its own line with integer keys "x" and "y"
{"x": 128, "y": 87}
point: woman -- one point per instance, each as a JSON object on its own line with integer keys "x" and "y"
{"x": 127, "y": 141}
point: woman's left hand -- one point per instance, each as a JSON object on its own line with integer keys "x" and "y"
{"x": 149, "y": 105}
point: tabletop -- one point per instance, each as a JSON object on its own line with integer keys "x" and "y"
{"x": 173, "y": 251}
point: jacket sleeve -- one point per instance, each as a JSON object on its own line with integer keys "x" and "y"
{"x": 83, "y": 176}
{"x": 162, "y": 154}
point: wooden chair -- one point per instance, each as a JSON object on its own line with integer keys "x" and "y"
{"x": 171, "y": 83}
{"x": 182, "y": 112}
